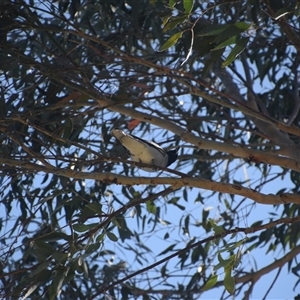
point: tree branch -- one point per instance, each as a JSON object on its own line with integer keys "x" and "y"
{"x": 176, "y": 183}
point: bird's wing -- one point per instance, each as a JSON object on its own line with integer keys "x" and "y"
{"x": 133, "y": 143}
{"x": 141, "y": 150}
{"x": 151, "y": 144}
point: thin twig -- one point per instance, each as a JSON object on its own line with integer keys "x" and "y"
{"x": 271, "y": 286}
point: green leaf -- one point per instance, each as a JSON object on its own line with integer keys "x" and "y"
{"x": 257, "y": 223}
{"x": 95, "y": 207}
{"x": 195, "y": 255}
{"x": 237, "y": 49}
{"x": 226, "y": 43}
{"x": 40, "y": 268}
{"x": 112, "y": 236}
{"x": 210, "y": 283}
{"x": 213, "y": 30}
{"x": 173, "y": 22}
{"x": 43, "y": 250}
{"x": 233, "y": 30}
{"x": 30, "y": 290}
{"x": 164, "y": 222}
{"x": 172, "y": 3}
{"x": 217, "y": 229}
{"x": 84, "y": 227}
{"x": 92, "y": 248}
{"x": 242, "y": 25}
{"x": 187, "y": 223}
{"x": 43, "y": 276}
{"x": 229, "y": 282}
{"x": 168, "y": 249}
{"x": 100, "y": 237}
{"x": 116, "y": 222}
{"x": 151, "y": 207}
{"x": 124, "y": 231}
{"x": 54, "y": 236}
{"x": 80, "y": 227}
{"x": 188, "y": 6}
{"x": 68, "y": 128}
{"x": 57, "y": 282}
{"x": 59, "y": 256}
{"x": 232, "y": 246}
{"x": 185, "y": 195}
{"x": 174, "y": 201}
{"x": 223, "y": 263}
{"x": 171, "y": 41}
{"x": 165, "y": 20}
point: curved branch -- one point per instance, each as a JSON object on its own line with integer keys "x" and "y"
{"x": 176, "y": 183}
{"x": 272, "y": 284}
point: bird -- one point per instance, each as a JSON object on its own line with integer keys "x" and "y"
{"x": 146, "y": 152}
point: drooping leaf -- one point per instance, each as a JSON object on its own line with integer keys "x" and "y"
{"x": 171, "y": 41}
{"x": 237, "y": 50}
{"x": 229, "y": 282}
{"x": 210, "y": 283}
{"x": 112, "y": 236}
{"x": 188, "y": 6}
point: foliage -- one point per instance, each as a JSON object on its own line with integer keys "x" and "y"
{"x": 218, "y": 80}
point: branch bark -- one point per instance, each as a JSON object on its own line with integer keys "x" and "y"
{"x": 176, "y": 183}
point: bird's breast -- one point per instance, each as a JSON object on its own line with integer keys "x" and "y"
{"x": 150, "y": 156}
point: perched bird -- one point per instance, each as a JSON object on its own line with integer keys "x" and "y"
{"x": 146, "y": 152}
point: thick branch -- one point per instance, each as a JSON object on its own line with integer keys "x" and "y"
{"x": 237, "y": 151}
{"x": 176, "y": 183}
